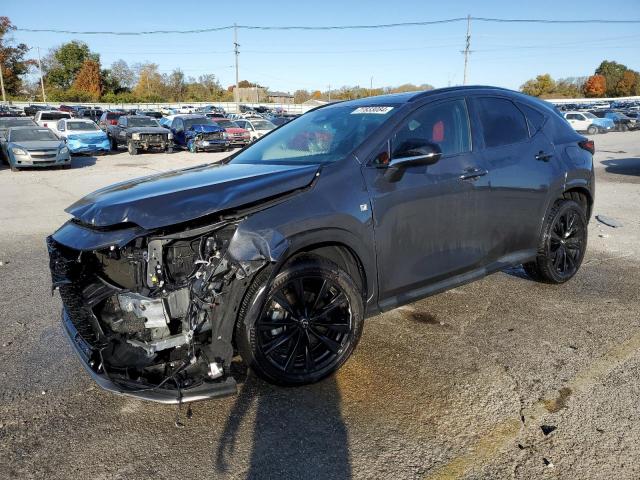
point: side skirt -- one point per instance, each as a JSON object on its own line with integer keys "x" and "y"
{"x": 411, "y": 296}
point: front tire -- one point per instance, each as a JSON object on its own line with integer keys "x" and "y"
{"x": 592, "y": 130}
{"x": 563, "y": 244}
{"x": 133, "y": 150}
{"x": 306, "y": 325}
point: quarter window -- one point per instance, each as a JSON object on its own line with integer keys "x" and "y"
{"x": 445, "y": 124}
{"x": 502, "y": 122}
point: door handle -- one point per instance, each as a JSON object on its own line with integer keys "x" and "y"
{"x": 472, "y": 172}
{"x": 543, "y": 157}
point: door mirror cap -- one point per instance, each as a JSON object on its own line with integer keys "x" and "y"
{"x": 425, "y": 154}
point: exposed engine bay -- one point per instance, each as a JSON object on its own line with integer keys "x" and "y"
{"x": 151, "y": 314}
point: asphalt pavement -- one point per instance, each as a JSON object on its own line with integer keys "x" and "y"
{"x": 501, "y": 378}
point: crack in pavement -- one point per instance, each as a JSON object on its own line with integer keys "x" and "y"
{"x": 488, "y": 446}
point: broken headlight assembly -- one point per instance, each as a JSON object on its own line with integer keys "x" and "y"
{"x": 146, "y": 312}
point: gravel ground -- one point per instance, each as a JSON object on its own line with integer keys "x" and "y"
{"x": 502, "y": 378}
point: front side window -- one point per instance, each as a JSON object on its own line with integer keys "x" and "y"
{"x": 502, "y": 122}
{"x": 444, "y": 124}
{"x": 321, "y": 136}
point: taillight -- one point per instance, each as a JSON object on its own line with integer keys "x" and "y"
{"x": 113, "y": 122}
{"x": 588, "y": 145}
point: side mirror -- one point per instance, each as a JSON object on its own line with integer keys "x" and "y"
{"x": 416, "y": 152}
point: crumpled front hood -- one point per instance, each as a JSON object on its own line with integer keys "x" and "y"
{"x": 182, "y": 195}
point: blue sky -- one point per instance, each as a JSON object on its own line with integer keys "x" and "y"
{"x": 504, "y": 54}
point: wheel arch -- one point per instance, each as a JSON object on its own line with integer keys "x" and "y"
{"x": 582, "y": 196}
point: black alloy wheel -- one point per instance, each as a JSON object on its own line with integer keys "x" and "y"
{"x": 563, "y": 244}
{"x": 308, "y": 325}
{"x": 567, "y": 240}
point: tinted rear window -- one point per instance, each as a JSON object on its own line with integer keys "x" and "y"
{"x": 502, "y": 122}
{"x": 54, "y": 116}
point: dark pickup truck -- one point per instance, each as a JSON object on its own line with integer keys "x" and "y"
{"x": 138, "y": 132}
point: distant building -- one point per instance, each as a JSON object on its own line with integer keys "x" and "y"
{"x": 280, "y": 97}
{"x": 251, "y": 94}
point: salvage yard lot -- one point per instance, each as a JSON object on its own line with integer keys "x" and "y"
{"x": 503, "y": 377}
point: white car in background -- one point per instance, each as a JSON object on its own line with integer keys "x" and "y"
{"x": 82, "y": 136}
{"x": 49, "y": 118}
{"x": 257, "y": 126}
{"x": 187, "y": 109}
{"x": 588, "y": 122}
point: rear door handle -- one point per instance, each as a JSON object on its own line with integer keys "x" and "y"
{"x": 543, "y": 157}
{"x": 472, "y": 172}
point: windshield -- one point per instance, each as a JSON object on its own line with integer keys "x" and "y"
{"x": 15, "y": 122}
{"x": 81, "y": 126}
{"x": 190, "y": 122}
{"x": 589, "y": 115}
{"x": 262, "y": 125}
{"x": 32, "y": 134}
{"x": 321, "y": 136}
{"x": 142, "y": 122}
{"x": 226, "y": 123}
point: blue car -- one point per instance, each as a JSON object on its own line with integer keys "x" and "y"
{"x": 82, "y": 136}
{"x": 197, "y": 133}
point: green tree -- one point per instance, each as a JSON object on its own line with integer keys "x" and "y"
{"x": 64, "y": 63}
{"x": 12, "y": 59}
{"x": 542, "y": 85}
{"x": 612, "y": 73}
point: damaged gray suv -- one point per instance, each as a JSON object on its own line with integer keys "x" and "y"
{"x": 279, "y": 253}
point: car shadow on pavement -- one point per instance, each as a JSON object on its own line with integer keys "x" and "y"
{"x": 82, "y": 161}
{"x": 623, "y": 166}
{"x": 297, "y": 432}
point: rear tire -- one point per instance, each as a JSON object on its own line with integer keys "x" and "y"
{"x": 562, "y": 244}
{"x": 113, "y": 143}
{"x": 305, "y": 327}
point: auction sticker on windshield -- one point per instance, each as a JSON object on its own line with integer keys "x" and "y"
{"x": 374, "y": 110}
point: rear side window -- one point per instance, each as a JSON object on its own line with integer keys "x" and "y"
{"x": 535, "y": 119}
{"x": 502, "y": 122}
{"x": 446, "y": 124}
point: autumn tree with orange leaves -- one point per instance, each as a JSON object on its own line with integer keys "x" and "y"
{"x": 595, "y": 86}
{"x": 88, "y": 80}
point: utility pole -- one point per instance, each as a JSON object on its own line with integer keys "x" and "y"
{"x": 329, "y": 93}
{"x": 467, "y": 50}
{"x": 4, "y": 99}
{"x": 237, "y": 52}
{"x": 44, "y": 96}
{"x": 371, "y": 86}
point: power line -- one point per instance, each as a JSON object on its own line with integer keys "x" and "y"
{"x": 329, "y": 27}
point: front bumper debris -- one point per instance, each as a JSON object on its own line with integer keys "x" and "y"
{"x": 90, "y": 359}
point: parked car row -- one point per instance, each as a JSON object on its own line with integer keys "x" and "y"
{"x": 602, "y": 121}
